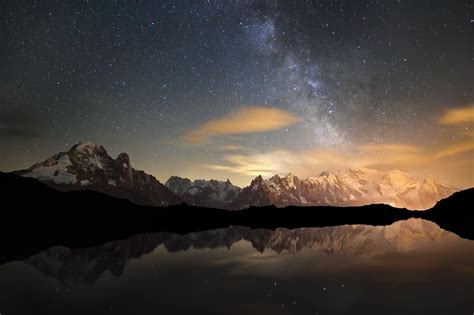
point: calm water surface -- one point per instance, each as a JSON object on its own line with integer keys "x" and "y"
{"x": 409, "y": 267}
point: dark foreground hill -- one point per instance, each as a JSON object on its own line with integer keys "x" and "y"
{"x": 35, "y": 216}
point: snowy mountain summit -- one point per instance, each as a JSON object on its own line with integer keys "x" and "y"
{"x": 353, "y": 187}
{"x": 205, "y": 193}
{"x": 88, "y": 166}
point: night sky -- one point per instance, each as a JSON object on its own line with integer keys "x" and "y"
{"x": 233, "y": 89}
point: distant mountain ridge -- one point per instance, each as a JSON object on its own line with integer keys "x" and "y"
{"x": 353, "y": 187}
{"x": 88, "y": 166}
{"x": 204, "y": 193}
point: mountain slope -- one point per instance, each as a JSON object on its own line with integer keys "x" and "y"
{"x": 212, "y": 193}
{"x": 352, "y": 187}
{"x": 88, "y": 166}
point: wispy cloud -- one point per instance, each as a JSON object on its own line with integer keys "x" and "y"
{"x": 244, "y": 120}
{"x": 265, "y": 164}
{"x": 311, "y": 162}
{"x": 15, "y": 124}
{"x": 447, "y": 155}
{"x": 391, "y": 155}
{"x": 458, "y": 116}
{"x": 464, "y": 145}
{"x": 232, "y": 147}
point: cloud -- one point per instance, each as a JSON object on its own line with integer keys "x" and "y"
{"x": 312, "y": 162}
{"x": 232, "y": 147}
{"x": 464, "y": 145}
{"x": 392, "y": 155}
{"x": 18, "y": 124}
{"x": 448, "y": 154}
{"x": 244, "y": 120}
{"x": 458, "y": 116}
{"x": 457, "y": 148}
{"x": 265, "y": 164}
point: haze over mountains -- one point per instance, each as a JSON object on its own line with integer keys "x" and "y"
{"x": 88, "y": 166}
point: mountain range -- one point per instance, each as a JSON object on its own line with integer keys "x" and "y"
{"x": 352, "y": 187}
{"x": 88, "y": 166}
{"x": 36, "y": 216}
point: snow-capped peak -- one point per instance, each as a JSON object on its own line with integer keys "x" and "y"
{"x": 208, "y": 193}
{"x": 88, "y": 148}
{"x": 88, "y": 165}
{"x": 354, "y": 187}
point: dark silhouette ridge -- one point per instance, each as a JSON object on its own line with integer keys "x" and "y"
{"x": 36, "y": 216}
{"x": 454, "y": 213}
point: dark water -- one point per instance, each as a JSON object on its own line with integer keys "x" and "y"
{"x": 409, "y": 267}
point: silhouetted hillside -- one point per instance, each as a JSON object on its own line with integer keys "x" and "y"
{"x": 35, "y": 216}
{"x": 455, "y": 213}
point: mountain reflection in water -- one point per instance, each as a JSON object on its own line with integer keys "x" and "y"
{"x": 410, "y": 266}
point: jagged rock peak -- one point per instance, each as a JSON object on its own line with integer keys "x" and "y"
{"x": 87, "y": 147}
{"x": 208, "y": 193}
{"x": 87, "y": 165}
{"x": 257, "y": 180}
{"x": 124, "y": 159}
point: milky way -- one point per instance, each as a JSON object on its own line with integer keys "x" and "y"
{"x": 138, "y": 76}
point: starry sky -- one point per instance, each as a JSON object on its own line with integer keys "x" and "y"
{"x": 232, "y": 89}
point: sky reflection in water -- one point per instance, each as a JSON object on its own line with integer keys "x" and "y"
{"x": 408, "y": 267}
